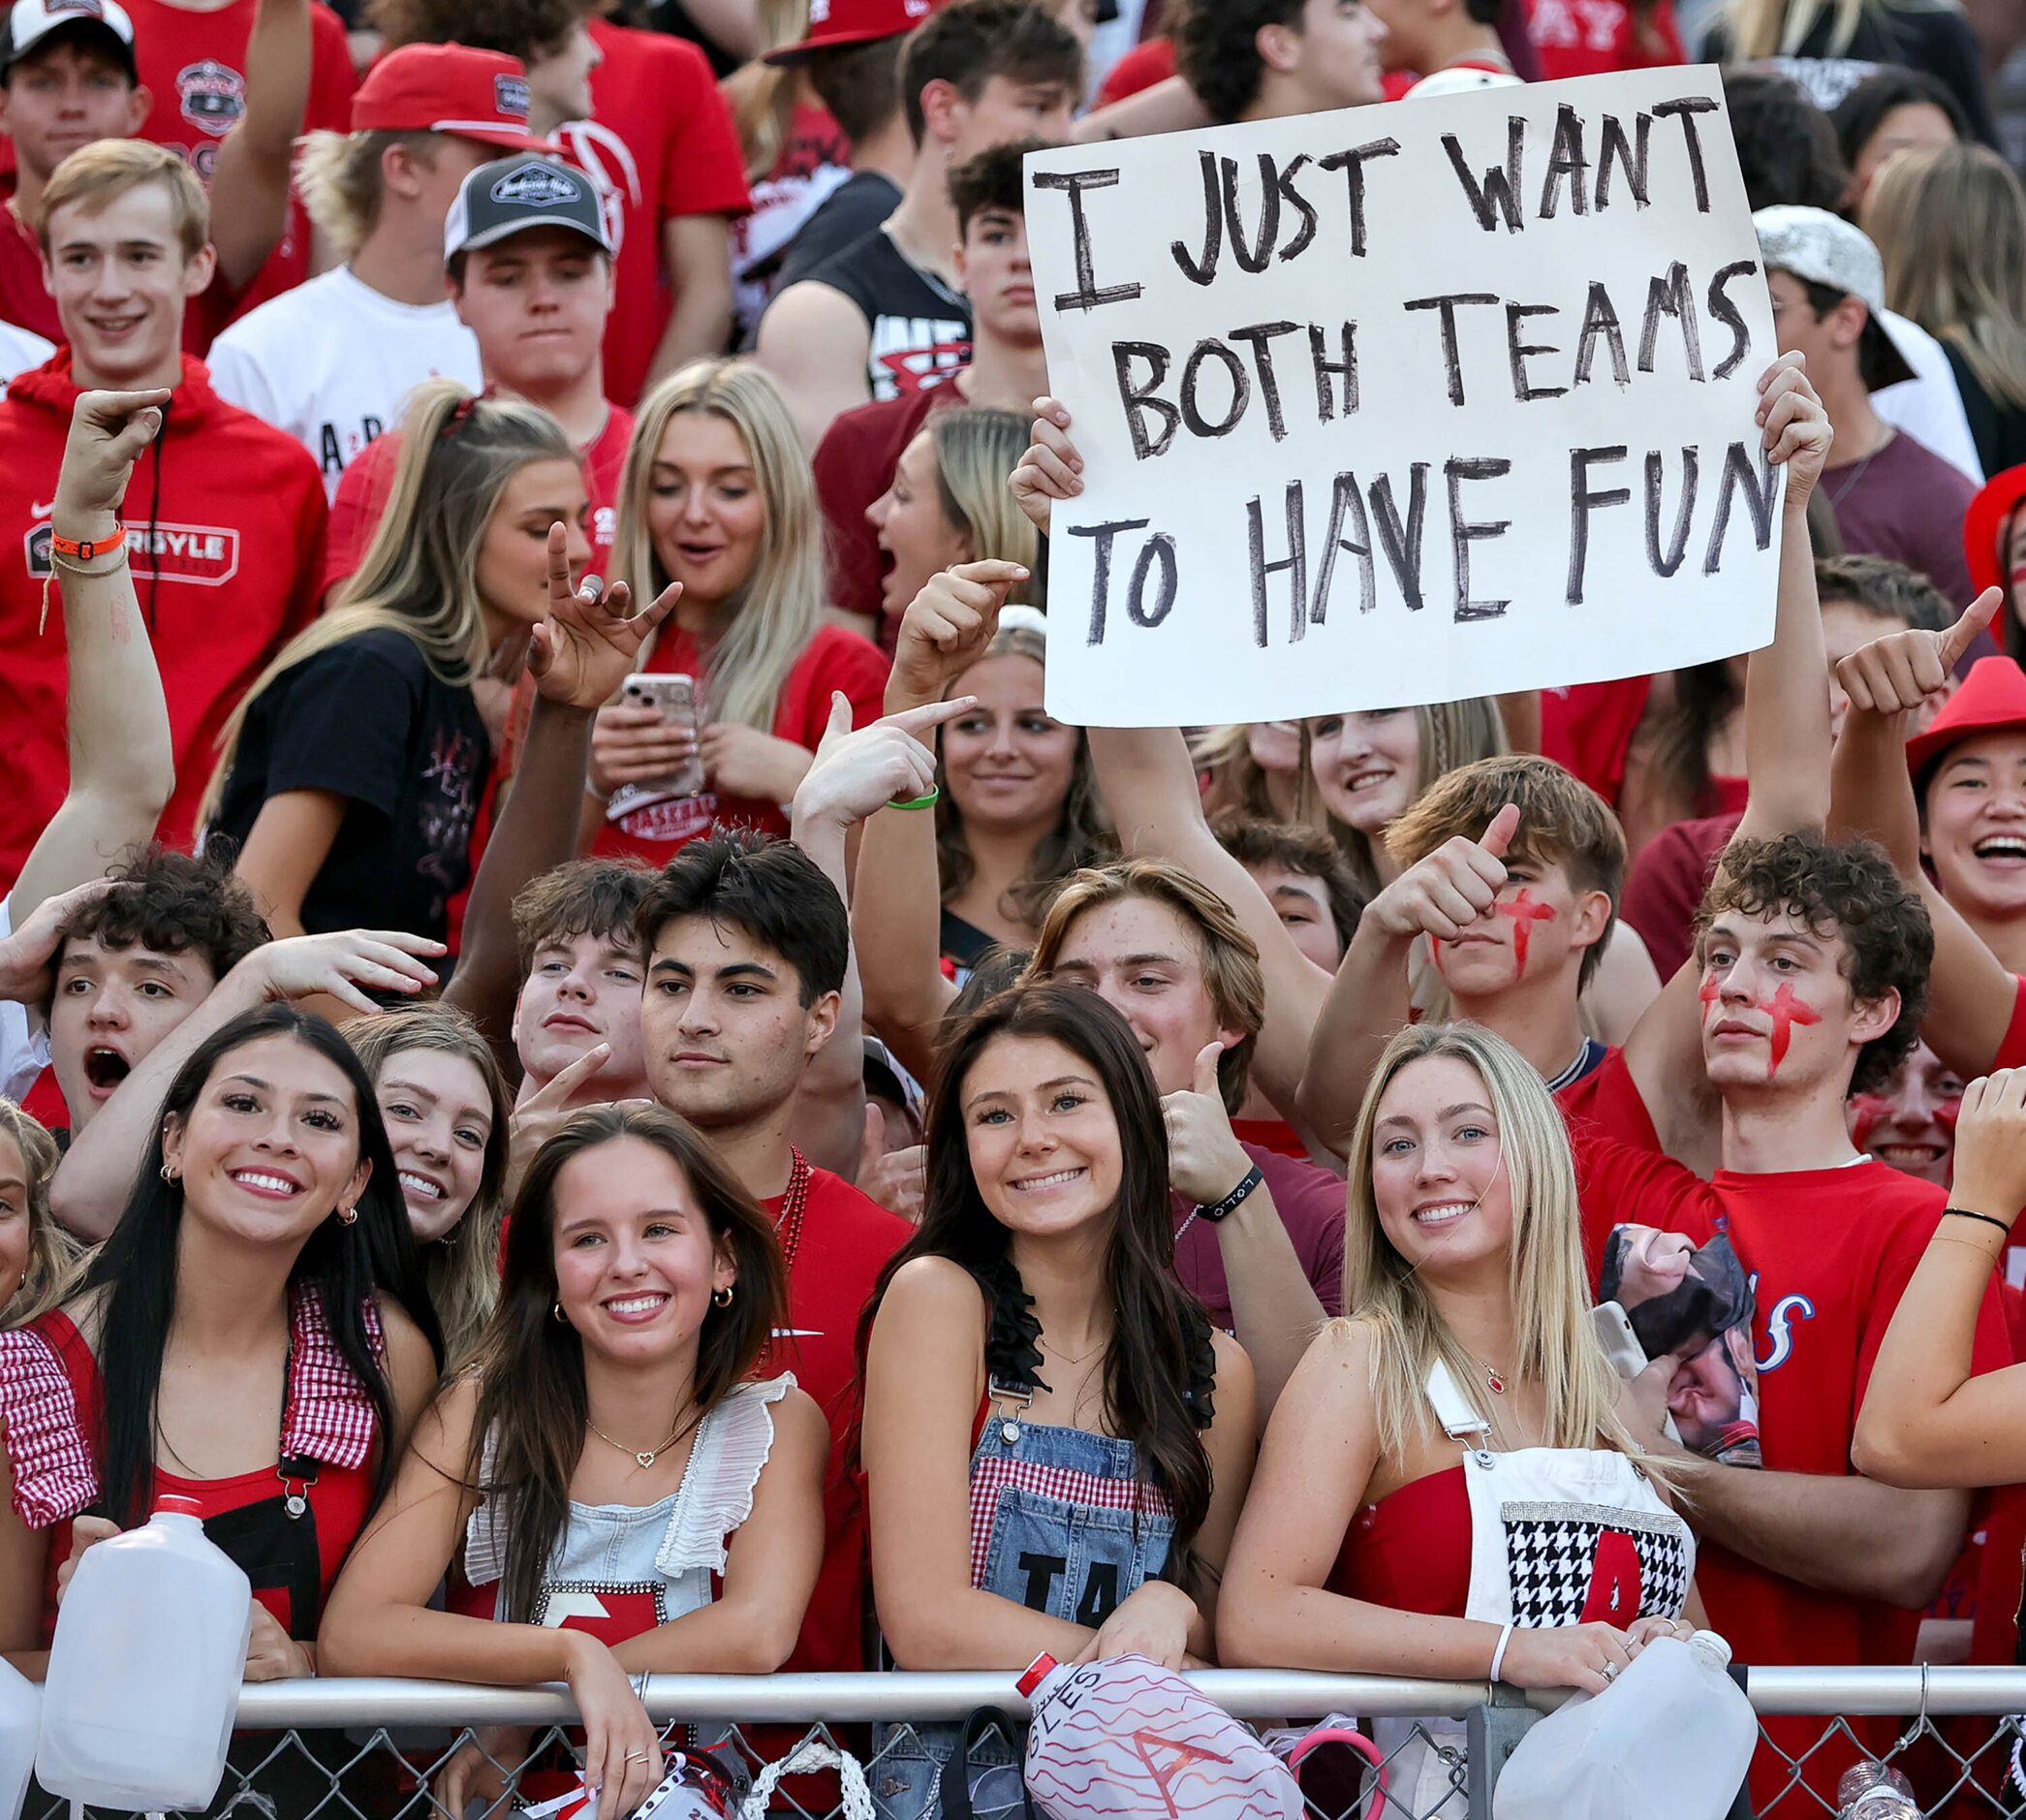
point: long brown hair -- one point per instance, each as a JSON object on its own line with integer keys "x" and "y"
{"x": 533, "y": 1409}
{"x": 1159, "y": 1328}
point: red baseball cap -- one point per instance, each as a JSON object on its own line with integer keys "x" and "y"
{"x": 834, "y": 23}
{"x": 1986, "y": 522}
{"x": 479, "y": 95}
{"x": 1991, "y": 700}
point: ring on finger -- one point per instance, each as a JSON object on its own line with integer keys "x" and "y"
{"x": 637, "y": 1756}
{"x": 1609, "y": 1671}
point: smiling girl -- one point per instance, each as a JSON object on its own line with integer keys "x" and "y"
{"x": 1367, "y": 1547}
{"x": 609, "y": 1491}
{"x": 36, "y": 1254}
{"x": 254, "y": 1335}
{"x": 718, "y": 496}
{"x": 447, "y": 1113}
{"x": 1057, "y": 1441}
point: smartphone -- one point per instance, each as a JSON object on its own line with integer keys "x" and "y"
{"x": 675, "y": 697}
{"x": 1621, "y": 1346}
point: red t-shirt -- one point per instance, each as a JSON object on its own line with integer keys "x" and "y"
{"x": 854, "y": 465}
{"x": 1605, "y": 1103}
{"x": 369, "y": 477}
{"x": 1597, "y": 37}
{"x": 846, "y": 1239}
{"x": 659, "y": 144}
{"x": 834, "y": 659}
{"x": 194, "y": 64}
{"x": 1587, "y": 728}
{"x": 1829, "y": 1252}
{"x": 24, "y": 299}
{"x": 2011, "y": 1049}
{"x": 1310, "y": 1203}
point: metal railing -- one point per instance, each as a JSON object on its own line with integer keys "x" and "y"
{"x": 367, "y": 1749}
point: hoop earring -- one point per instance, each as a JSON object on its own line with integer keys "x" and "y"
{"x": 721, "y": 1298}
{"x": 347, "y": 1217}
{"x": 168, "y": 1174}
{"x": 560, "y": 1315}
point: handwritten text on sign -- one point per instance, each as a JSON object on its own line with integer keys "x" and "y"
{"x": 1405, "y": 404}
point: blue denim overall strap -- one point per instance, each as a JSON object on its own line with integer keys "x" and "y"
{"x": 1060, "y": 1522}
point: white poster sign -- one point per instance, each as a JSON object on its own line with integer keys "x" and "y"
{"x": 1404, "y": 403}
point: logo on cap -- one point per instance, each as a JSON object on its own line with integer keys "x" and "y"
{"x": 213, "y": 96}
{"x": 535, "y": 185}
{"x": 78, "y": 9}
{"x": 510, "y": 95}
{"x": 819, "y": 11}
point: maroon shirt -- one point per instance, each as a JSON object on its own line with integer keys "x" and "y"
{"x": 1907, "y": 503}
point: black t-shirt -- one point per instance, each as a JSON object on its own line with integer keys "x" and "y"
{"x": 850, "y": 211}
{"x": 920, "y": 328}
{"x": 368, "y": 721}
{"x": 1998, "y": 426}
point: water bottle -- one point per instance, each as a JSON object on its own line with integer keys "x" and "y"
{"x": 145, "y": 1669}
{"x": 20, "y": 1718}
{"x": 1127, "y": 1738}
{"x": 1871, "y": 1791}
{"x": 1670, "y": 1739}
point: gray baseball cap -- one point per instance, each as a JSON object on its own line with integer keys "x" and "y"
{"x": 511, "y": 194}
{"x": 1820, "y": 248}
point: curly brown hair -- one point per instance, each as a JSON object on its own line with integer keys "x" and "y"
{"x": 175, "y": 904}
{"x": 1851, "y": 890}
{"x": 527, "y": 29}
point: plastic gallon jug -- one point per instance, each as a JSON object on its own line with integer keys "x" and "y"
{"x": 1670, "y": 1739}
{"x": 1126, "y": 1738}
{"x": 145, "y": 1666}
{"x": 20, "y": 1718}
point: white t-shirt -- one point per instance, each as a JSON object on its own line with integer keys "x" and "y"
{"x": 333, "y": 360}
{"x": 25, "y": 1039}
{"x": 1929, "y": 406}
{"x": 19, "y": 350}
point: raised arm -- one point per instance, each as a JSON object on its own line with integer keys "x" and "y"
{"x": 92, "y": 1181}
{"x": 579, "y": 656}
{"x": 896, "y": 904}
{"x": 122, "y": 761}
{"x": 856, "y": 775}
{"x": 1927, "y": 1419}
{"x": 1438, "y": 896}
{"x": 1787, "y": 757}
{"x": 696, "y": 250}
{"x": 250, "y": 182}
{"x": 1971, "y": 992}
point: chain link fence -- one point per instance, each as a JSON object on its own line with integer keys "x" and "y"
{"x": 378, "y": 1750}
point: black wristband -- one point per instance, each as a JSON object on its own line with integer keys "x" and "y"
{"x": 1217, "y": 1209}
{"x": 1961, "y": 1213}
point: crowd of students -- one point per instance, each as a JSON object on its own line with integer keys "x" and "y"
{"x": 594, "y": 1076}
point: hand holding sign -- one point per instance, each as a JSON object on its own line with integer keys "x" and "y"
{"x": 1795, "y": 427}
{"x": 1904, "y": 670}
{"x": 1453, "y": 889}
{"x": 947, "y": 627}
{"x": 1052, "y": 469}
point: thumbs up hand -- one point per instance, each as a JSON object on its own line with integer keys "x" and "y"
{"x": 1448, "y": 891}
{"x": 1205, "y": 1160}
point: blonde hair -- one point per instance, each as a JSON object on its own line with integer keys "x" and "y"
{"x": 1235, "y": 781}
{"x": 462, "y": 1268}
{"x": 419, "y": 576}
{"x": 1448, "y": 734}
{"x": 1778, "y": 28}
{"x": 976, "y": 453}
{"x": 1555, "y": 1344}
{"x": 1950, "y": 225}
{"x": 54, "y": 1257}
{"x": 96, "y": 175}
{"x": 339, "y": 177}
{"x": 1230, "y": 958}
{"x": 779, "y": 607}
{"x": 762, "y": 95}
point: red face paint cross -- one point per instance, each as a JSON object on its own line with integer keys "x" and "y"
{"x": 1786, "y": 1011}
{"x": 1525, "y": 913}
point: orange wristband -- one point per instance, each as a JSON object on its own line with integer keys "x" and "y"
{"x": 85, "y": 549}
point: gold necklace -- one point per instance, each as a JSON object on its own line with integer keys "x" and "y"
{"x": 647, "y": 1459}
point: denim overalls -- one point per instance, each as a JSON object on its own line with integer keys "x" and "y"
{"x": 1061, "y": 1523}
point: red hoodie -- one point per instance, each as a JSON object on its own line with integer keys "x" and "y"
{"x": 224, "y": 519}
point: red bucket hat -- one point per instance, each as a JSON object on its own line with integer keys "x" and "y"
{"x": 1991, "y": 700}
{"x": 1984, "y": 523}
{"x": 834, "y": 23}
